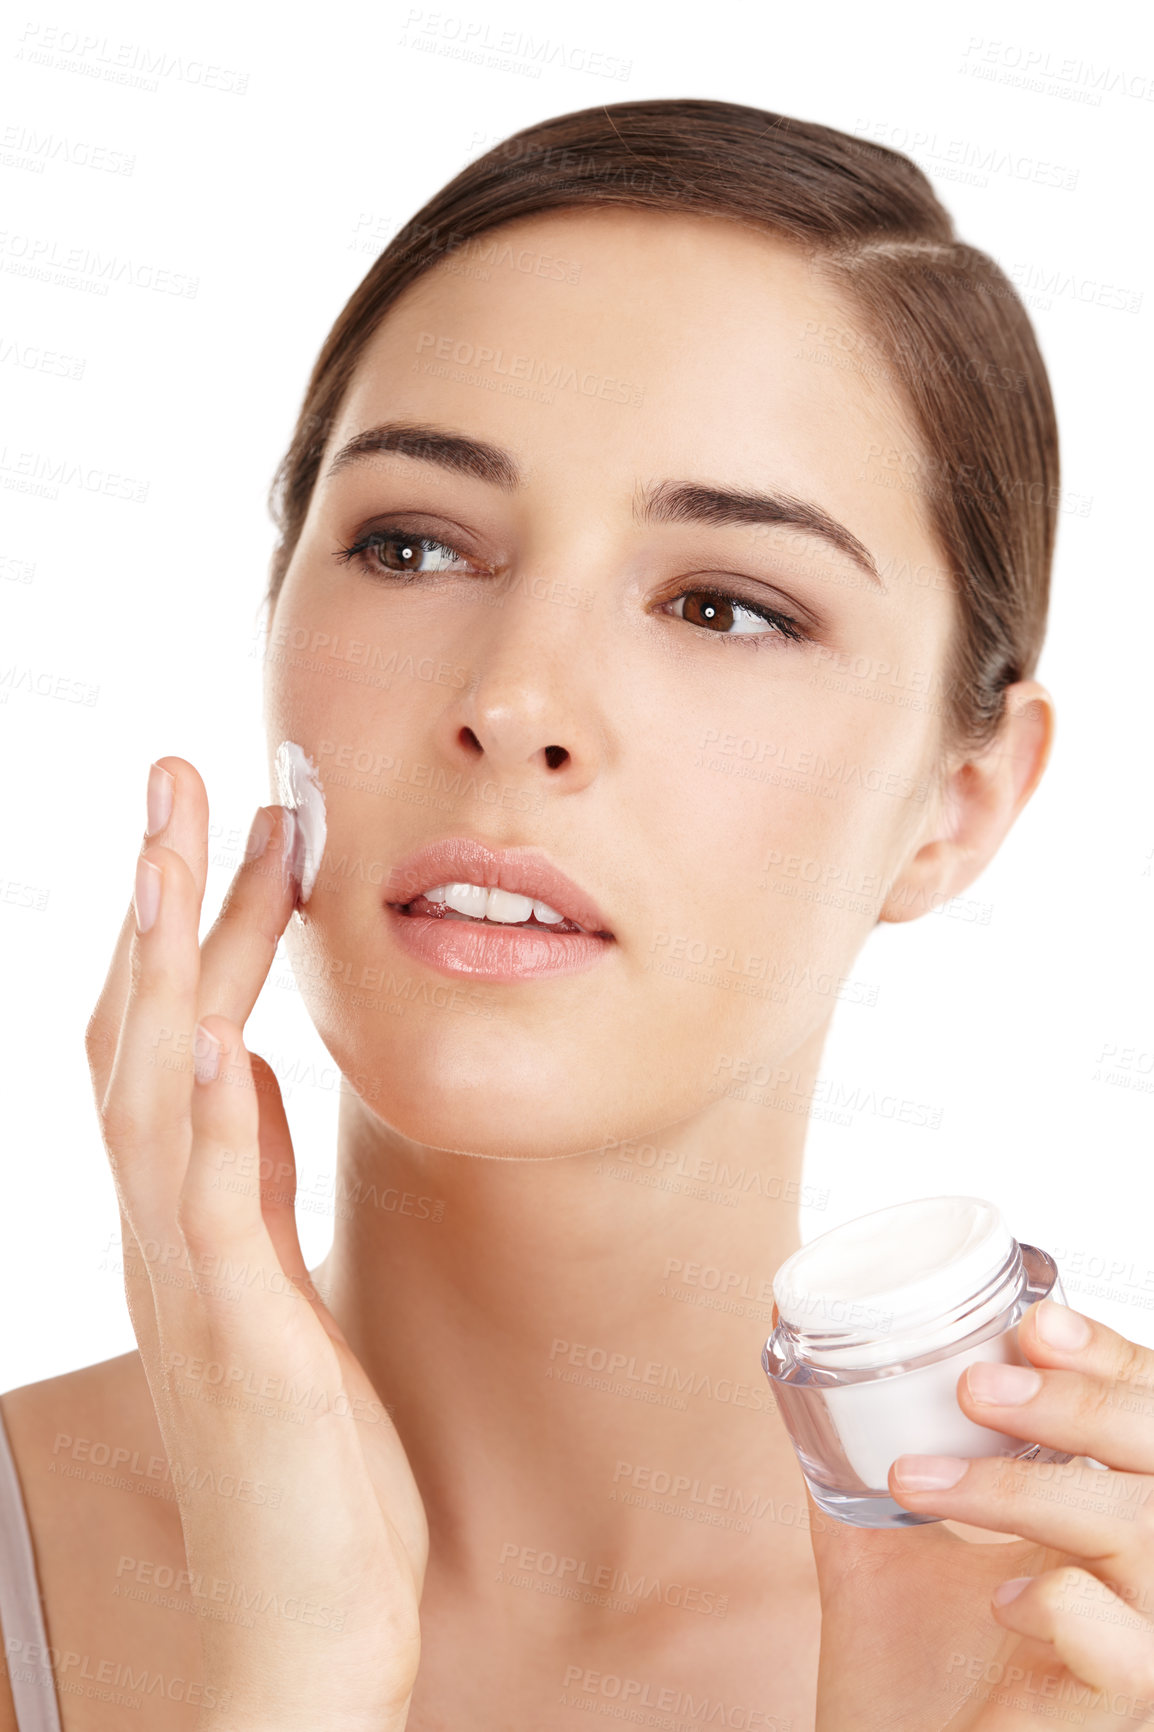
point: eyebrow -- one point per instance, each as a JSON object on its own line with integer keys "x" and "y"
{"x": 666, "y": 502}
{"x": 430, "y": 445}
{"x": 688, "y": 502}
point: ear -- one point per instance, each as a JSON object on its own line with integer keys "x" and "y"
{"x": 979, "y": 800}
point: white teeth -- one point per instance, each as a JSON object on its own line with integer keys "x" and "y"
{"x": 505, "y": 906}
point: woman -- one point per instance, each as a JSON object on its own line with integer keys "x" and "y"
{"x": 643, "y": 379}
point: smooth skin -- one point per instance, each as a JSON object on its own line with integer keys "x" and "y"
{"x": 580, "y": 1134}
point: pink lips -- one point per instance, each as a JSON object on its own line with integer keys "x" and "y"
{"x": 461, "y": 859}
{"x": 496, "y": 953}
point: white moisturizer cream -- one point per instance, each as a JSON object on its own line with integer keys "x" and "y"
{"x": 298, "y": 786}
{"x": 878, "y": 1318}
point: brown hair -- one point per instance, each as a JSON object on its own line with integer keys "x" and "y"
{"x": 945, "y": 320}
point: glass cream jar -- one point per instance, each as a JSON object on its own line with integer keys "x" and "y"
{"x": 877, "y": 1320}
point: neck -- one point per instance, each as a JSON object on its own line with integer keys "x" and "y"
{"x": 570, "y": 1347}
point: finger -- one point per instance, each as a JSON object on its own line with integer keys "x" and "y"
{"x": 390, "y": 1468}
{"x": 142, "y": 1265}
{"x": 1070, "y": 1506}
{"x": 1111, "y": 1420}
{"x": 177, "y": 805}
{"x": 278, "y": 1191}
{"x": 103, "y": 1030}
{"x": 222, "y": 1209}
{"x": 146, "y": 1110}
{"x": 220, "y": 1201}
{"x": 277, "y": 1170}
{"x": 238, "y": 951}
{"x": 1103, "y": 1641}
{"x": 1096, "y": 1395}
{"x": 1089, "y": 1391}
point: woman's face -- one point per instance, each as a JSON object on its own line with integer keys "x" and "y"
{"x": 562, "y": 651}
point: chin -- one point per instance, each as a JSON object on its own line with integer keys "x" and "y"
{"x": 483, "y": 1090}
{"x": 474, "y": 1118}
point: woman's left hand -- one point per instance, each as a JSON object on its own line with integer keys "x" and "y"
{"x": 914, "y": 1633}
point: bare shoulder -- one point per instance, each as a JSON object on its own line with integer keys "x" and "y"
{"x": 79, "y": 1437}
{"x": 108, "y": 1545}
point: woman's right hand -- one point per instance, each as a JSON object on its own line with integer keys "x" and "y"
{"x": 289, "y": 1475}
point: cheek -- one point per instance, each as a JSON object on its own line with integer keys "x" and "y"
{"x": 331, "y": 683}
{"x": 318, "y": 674}
{"x": 775, "y": 889}
{"x": 786, "y": 832}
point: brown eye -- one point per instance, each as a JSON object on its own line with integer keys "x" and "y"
{"x": 400, "y": 552}
{"x": 702, "y": 608}
{"x": 728, "y": 616}
{"x": 404, "y": 553}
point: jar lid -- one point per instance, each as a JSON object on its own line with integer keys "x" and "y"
{"x": 894, "y": 1271}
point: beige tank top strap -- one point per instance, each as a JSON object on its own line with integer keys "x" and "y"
{"x": 21, "y": 1610}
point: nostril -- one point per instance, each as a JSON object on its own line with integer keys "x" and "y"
{"x": 555, "y": 756}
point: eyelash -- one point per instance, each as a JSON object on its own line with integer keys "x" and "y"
{"x": 785, "y": 625}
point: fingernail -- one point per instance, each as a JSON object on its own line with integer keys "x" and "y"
{"x": 928, "y": 1472}
{"x": 1058, "y": 1326}
{"x": 1002, "y": 1385}
{"x": 146, "y": 894}
{"x": 161, "y": 782}
{"x": 262, "y": 828}
{"x": 205, "y": 1054}
{"x": 1011, "y": 1589}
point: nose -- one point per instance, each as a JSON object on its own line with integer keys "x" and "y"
{"x": 532, "y": 709}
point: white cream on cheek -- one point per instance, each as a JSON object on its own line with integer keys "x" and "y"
{"x": 298, "y": 786}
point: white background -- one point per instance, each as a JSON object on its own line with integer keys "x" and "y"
{"x": 1030, "y": 1028}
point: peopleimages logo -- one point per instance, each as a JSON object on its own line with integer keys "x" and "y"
{"x": 584, "y": 1686}
{"x": 648, "y": 1377}
{"x": 474, "y": 39}
{"x": 969, "y": 160}
{"x": 609, "y": 1578}
{"x": 527, "y": 369}
{"x": 127, "y": 63}
{"x": 36, "y": 254}
{"x": 1028, "y": 67}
